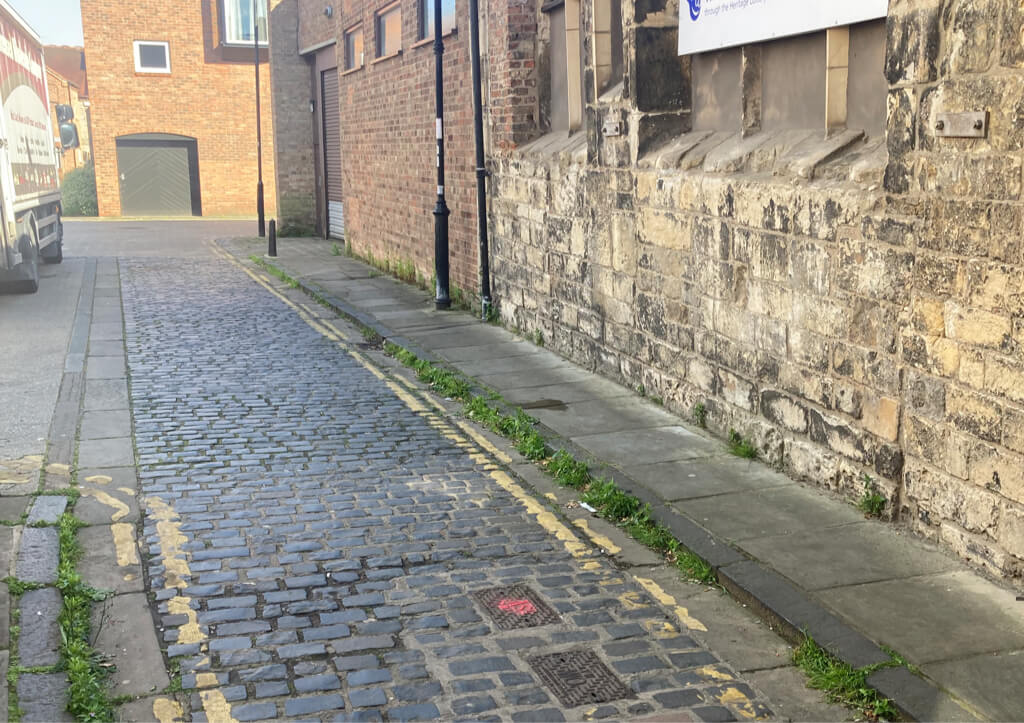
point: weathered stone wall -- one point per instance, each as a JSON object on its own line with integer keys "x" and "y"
{"x": 849, "y": 325}
{"x": 962, "y": 330}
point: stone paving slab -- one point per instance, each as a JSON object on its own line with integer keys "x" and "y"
{"x": 109, "y": 562}
{"x": 47, "y": 509}
{"x": 39, "y": 641}
{"x": 106, "y": 348}
{"x": 494, "y": 350}
{"x": 106, "y": 394}
{"x": 102, "y": 504}
{"x": 950, "y": 597}
{"x": 112, "y": 452}
{"x": 41, "y": 697}
{"x": 657, "y": 444}
{"x": 105, "y": 367}
{"x": 5, "y": 614}
{"x": 617, "y": 414}
{"x": 5, "y": 659}
{"x": 100, "y": 331}
{"x": 38, "y": 553}
{"x": 862, "y": 552}
{"x": 124, "y": 632}
{"x": 974, "y": 678}
{"x": 692, "y": 478}
{"x": 12, "y": 508}
{"x": 105, "y": 424}
{"x": 788, "y": 509}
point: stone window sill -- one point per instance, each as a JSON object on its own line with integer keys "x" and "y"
{"x": 428, "y": 41}
{"x": 382, "y": 58}
{"x": 356, "y": 69}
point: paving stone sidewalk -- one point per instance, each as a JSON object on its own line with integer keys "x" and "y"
{"x": 807, "y": 561}
{"x": 322, "y": 544}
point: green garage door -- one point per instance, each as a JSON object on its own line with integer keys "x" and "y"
{"x": 159, "y": 175}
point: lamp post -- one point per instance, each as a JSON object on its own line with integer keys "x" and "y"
{"x": 261, "y": 222}
{"x": 441, "y": 300}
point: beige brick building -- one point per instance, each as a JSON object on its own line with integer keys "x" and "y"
{"x": 802, "y": 236}
{"x": 172, "y": 88}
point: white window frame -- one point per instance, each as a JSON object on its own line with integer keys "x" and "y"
{"x": 228, "y": 9}
{"x": 138, "y": 56}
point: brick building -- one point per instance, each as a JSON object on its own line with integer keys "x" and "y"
{"x": 792, "y": 233}
{"x": 172, "y": 91}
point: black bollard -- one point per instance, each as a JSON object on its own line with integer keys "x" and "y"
{"x": 272, "y": 239}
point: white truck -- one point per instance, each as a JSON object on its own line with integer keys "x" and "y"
{"x": 30, "y": 225}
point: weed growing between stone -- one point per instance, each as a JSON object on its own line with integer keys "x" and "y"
{"x": 700, "y": 415}
{"x": 741, "y": 447}
{"x": 87, "y": 692}
{"x": 274, "y": 271}
{"x": 844, "y": 684}
{"x": 872, "y": 502}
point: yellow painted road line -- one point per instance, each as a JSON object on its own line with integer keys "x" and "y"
{"x": 124, "y": 544}
{"x": 166, "y": 710}
{"x": 668, "y": 601}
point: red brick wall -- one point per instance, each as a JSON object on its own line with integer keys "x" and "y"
{"x": 209, "y": 95}
{"x": 389, "y": 147}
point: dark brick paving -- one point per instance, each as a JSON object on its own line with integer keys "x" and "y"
{"x": 334, "y": 537}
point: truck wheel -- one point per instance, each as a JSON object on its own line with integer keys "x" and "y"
{"x": 54, "y": 253}
{"x": 29, "y": 267}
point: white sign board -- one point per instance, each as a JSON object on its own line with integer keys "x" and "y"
{"x": 713, "y": 24}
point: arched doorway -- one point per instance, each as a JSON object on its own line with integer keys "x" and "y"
{"x": 159, "y": 175}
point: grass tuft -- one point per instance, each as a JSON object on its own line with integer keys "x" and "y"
{"x": 843, "y": 683}
{"x": 568, "y": 471}
{"x": 87, "y": 691}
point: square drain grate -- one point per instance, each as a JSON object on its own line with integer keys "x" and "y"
{"x": 578, "y": 677}
{"x": 515, "y": 606}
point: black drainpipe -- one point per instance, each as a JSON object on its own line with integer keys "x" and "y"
{"x": 481, "y": 170}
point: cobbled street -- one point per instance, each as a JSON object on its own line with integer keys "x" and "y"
{"x": 316, "y": 534}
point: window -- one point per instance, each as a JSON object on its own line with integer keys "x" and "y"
{"x": 607, "y": 44}
{"x": 565, "y": 110}
{"x": 389, "y": 30}
{"x": 427, "y": 18}
{"x": 354, "y": 48}
{"x": 152, "y": 57}
{"x": 238, "y": 25}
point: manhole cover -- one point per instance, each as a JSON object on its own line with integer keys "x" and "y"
{"x": 515, "y": 606}
{"x": 578, "y": 677}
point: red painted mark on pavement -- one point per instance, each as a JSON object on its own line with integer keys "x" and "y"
{"x": 519, "y": 607}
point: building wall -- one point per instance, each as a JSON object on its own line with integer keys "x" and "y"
{"x": 388, "y": 147}
{"x": 293, "y": 141}
{"x": 209, "y": 95}
{"x": 859, "y": 317}
{"x": 850, "y": 301}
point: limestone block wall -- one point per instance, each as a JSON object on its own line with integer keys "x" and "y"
{"x": 854, "y": 305}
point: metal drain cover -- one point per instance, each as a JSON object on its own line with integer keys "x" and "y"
{"x": 578, "y": 677}
{"x": 515, "y": 606}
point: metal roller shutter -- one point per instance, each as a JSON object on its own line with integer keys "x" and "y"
{"x": 332, "y": 152}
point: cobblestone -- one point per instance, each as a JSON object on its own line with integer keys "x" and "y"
{"x": 329, "y": 537}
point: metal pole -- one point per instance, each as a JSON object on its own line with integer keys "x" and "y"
{"x": 481, "y": 170}
{"x": 272, "y": 239}
{"x": 442, "y": 300}
{"x": 261, "y": 226}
